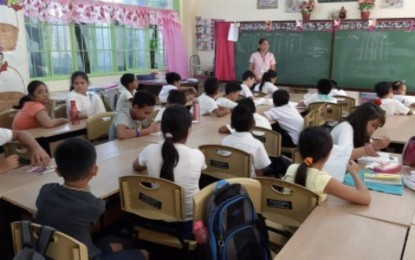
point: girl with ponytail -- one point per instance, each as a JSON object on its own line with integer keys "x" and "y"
{"x": 315, "y": 145}
{"x": 267, "y": 84}
{"x": 173, "y": 160}
{"x": 32, "y": 111}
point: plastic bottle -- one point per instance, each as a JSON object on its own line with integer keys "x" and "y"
{"x": 200, "y": 231}
{"x": 74, "y": 113}
{"x": 196, "y": 110}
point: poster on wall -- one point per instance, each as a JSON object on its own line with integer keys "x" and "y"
{"x": 13, "y": 64}
{"x": 205, "y": 34}
{"x": 267, "y": 4}
{"x": 334, "y": 1}
{"x": 391, "y": 3}
{"x": 292, "y": 6}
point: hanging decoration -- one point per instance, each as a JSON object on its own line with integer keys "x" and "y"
{"x": 372, "y": 24}
{"x": 336, "y": 24}
{"x": 299, "y": 25}
{"x": 268, "y": 25}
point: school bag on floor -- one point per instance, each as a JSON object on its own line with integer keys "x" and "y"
{"x": 235, "y": 230}
{"x": 34, "y": 250}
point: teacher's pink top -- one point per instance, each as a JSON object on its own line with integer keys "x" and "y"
{"x": 262, "y": 63}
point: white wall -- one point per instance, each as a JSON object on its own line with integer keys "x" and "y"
{"x": 246, "y": 10}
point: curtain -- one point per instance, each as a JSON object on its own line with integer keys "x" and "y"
{"x": 174, "y": 45}
{"x": 224, "y": 53}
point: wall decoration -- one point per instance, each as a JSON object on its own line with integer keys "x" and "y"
{"x": 205, "y": 34}
{"x": 391, "y": 3}
{"x": 292, "y": 6}
{"x": 334, "y": 1}
{"x": 267, "y": 4}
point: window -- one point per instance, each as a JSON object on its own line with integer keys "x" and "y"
{"x": 56, "y": 50}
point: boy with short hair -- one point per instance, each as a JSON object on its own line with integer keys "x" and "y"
{"x": 289, "y": 122}
{"x": 134, "y": 122}
{"x": 391, "y": 106}
{"x": 232, "y": 90}
{"x": 175, "y": 97}
{"x": 71, "y": 208}
{"x": 324, "y": 87}
{"x": 399, "y": 93}
{"x": 173, "y": 82}
{"x": 248, "y": 80}
{"x": 207, "y": 100}
{"x": 242, "y": 120}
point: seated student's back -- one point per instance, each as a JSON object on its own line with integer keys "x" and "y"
{"x": 129, "y": 86}
{"x": 324, "y": 87}
{"x": 399, "y": 93}
{"x": 267, "y": 85}
{"x": 248, "y": 80}
{"x": 175, "y": 97}
{"x": 391, "y": 106}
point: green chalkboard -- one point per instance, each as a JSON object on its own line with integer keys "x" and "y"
{"x": 361, "y": 58}
{"x": 302, "y": 57}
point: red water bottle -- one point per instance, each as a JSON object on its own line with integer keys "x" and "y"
{"x": 74, "y": 113}
{"x": 201, "y": 232}
{"x": 196, "y": 110}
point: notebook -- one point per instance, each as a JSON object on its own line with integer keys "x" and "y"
{"x": 336, "y": 165}
{"x": 386, "y": 188}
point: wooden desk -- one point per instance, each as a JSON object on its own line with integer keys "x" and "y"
{"x": 398, "y": 128}
{"x": 409, "y": 253}
{"x": 331, "y": 234}
{"x": 154, "y": 86}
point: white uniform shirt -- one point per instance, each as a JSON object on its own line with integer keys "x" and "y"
{"x": 289, "y": 119}
{"x": 394, "y": 107}
{"x": 406, "y": 100}
{"x": 159, "y": 115}
{"x": 123, "y": 101}
{"x": 338, "y": 92}
{"x": 164, "y": 93}
{"x": 89, "y": 104}
{"x": 245, "y": 91}
{"x": 343, "y": 134}
{"x": 186, "y": 173}
{"x": 313, "y": 98}
{"x": 260, "y": 121}
{"x": 246, "y": 142}
{"x": 207, "y": 104}
{"x": 225, "y": 103}
{"x": 268, "y": 88}
{"x": 6, "y": 135}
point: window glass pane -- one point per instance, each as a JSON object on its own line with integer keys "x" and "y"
{"x": 37, "y": 49}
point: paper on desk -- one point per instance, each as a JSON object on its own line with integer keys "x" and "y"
{"x": 336, "y": 165}
{"x": 259, "y": 101}
{"x": 233, "y": 34}
{"x": 383, "y": 158}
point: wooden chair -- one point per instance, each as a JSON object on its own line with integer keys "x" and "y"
{"x": 106, "y": 101}
{"x": 297, "y": 158}
{"x": 286, "y": 203}
{"x": 8, "y": 99}
{"x": 346, "y": 102}
{"x": 16, "y": 148}
{"x": 333, "y": 111}
{"x": 310, "y": 119}
{"x": 97, "y": 126}
{"x": 321, "y": 115}
{"x": 161, "y": 200}
{"x": 270, "y": 139}
{"x": 60, "y": 111}
{"x": 226, "y": 162}
{"x": 6, "y": 118}
{"x": 258, "y": 94}
{"x": 352, "y": 109}
{"x": 62, "y": 247}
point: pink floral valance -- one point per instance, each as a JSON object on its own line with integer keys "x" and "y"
{"x": 78, "y": 11}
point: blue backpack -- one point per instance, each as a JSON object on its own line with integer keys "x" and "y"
{"x": 235, "y": 230}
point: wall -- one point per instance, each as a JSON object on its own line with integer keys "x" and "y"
{"x": 245, "y": 10}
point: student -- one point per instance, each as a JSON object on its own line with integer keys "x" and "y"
{"x": 315, "y": 145}
{"x": 39, "y": 156}
{"x": 32, "y": 111}
{"x": 248, "y": 80}
{"x": 134, "y": 122}
{"x": 242, "y": 120}
{"x": 130, "y": 85}
{"x": 267, "y": 85}
{"x": 357, "y": 128}
{"x": 399, "y": 94}
{"x": 173, "y": 82}
{"x": 289, "y": 122}
{"x": 232, "y": 90}
{"x": 324, "y": 87}
{"x": 260, "y": 121}
{"x": 207, "y": 100}
{"x": 175, "y": 97}
{"x": 336, "y": 92}
{"x": 391, "y": 106}
{"x": 174, "y": 161}
{"x": 71, "y": 208}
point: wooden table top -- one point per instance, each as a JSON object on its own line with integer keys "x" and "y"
{"x": 62, "y": 129}
{"x": 398, "y": 128}
{"x": 332, "y": 234}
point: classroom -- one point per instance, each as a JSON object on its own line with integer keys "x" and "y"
{"x": 195, "y": 129}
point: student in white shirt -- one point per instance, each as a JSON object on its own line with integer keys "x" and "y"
{"x": 260, "y": 121}
{"x": 39, "y": 156}
{"x": 324, "y": 87}
{"x": 232, "y": 90}
{"x": 243, "y": 121}
{"x": 289, "y": 122}
{"x": 174, "y": 161}
{"x": 267, "y": 85}
{"x": 337, "y": 92}
{"x": 87, "y": 104}
{"x": 248, "y": 80}
{"x": 175, "y": 97}
{"x": 399, "y": 93}
{"x": 207, "y": 100}
{"x": 315, "y": 145}
{"x": 173, "y": 82}
{"x": 357, "y": 129}
{"x": 391, "y": 106}
{"x": 129, "y": 86}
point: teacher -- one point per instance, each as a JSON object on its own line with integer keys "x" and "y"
{"x": 262, "y": 60}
